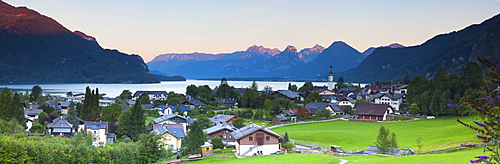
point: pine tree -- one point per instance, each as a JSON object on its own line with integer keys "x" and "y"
{"x": 73, "y": 116}
{"x": 285, "y": 138}
{"x": 195, "y": 137}
{"x": 383, "y": 140}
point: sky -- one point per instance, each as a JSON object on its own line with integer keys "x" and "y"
{"x": 153, "y": 27}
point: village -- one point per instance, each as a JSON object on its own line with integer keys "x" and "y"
{"x": 248, "y": 134}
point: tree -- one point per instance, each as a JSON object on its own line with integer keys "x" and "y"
{"x": 473, "y": 76}
{"x": 225, "y": 91}
{"x": 259, "y": 115}
{"x": 195, "y": 137}
{"x": 90, "y": 107}
{"x": 192, "y": 90}
{"x": 144, "y": 98}
{"x": 313, "y": 97}
{"x": 308, "y": 86}
{"x": 132, "y": 122}
{"x": 250, "y": 98}
{"x": 217, "y": 143}
{"x": 323, "y": 113}
{"x": 69, "y": 94}
{"x": 11, "y": 107}
{"x": 288, "y": 145}
{"x": 111, "y": 113}
{"x": 268, "y": 106}
{"x": 46, "y": 108}
{"x": 268, "y": 88}
{"x": 385, "y": 140}
{"x": 125, "y": 95}
{"x": 340, "y": 83}
{"x": 72, "y": 116}
{"x": 414, "y": 110}
{"x": 285, "y": 138}
{"x": 36, "y": 92}
{"x": 407, "y": 78}
{"x": 302, "y": 112}
{"x": 238, "y": 123}
{"x": 254, "y": 85}
{"x": 292, "y": 88}
{"x": 150, "y": 148}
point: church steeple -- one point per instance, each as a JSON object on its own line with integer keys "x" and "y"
{"x": 330, "y": 79}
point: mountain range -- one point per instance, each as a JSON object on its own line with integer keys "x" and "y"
{"x": 261, "y": 62}
{"x": 37, "y": 49}
{"x": 387, "y": 63}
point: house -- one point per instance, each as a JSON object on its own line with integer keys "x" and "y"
{"x": 226, "y": 102}
{"x": 289, "y": 113}
{"x": 59, "y": 106}
{"x": 193, "y": 103}
{"x": 345, "y": 101}
{"x": 325, "y": 92}
{"x": 153, "y": 95}
{"x": 253, "y": 139}
{"x": 222, "y": 131}
{"x": 178, "y": 109}
{"x": 99, "y": 133}
{"x": 164, "y": 110}
{"x": 32, "y": 113}
{"x": 61, "y": 127}
{"x": 315, "y": 107}
{"x": 288, "y": 94}
{"x": 393, "y": 99}
{"x": 171, "y": 135}
{"x": 279, "y": 119}
{"x": 374, "y": 112}
{"x": 222, "y": 119}
{"x": 173, "y": 119}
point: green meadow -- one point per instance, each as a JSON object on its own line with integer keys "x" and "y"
{"x": 442, "y": 132}
{"x": 285, "y": 158}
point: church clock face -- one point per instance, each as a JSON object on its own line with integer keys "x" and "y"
{"x": 330, "y": 78}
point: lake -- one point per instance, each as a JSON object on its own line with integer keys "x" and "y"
{"x": 113, "y": 90}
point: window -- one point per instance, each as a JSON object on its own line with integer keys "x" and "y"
{"x": 250, "y": 138}
{"x": 169, "y": 138}
{"x": 268, "y": 138}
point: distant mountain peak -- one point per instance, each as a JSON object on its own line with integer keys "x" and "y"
{"x": 21, "y": 20}
{"x": 396, "y": 45}
{"x": 339, "y": 43}
{"x": 290, "y": 49}
{"x": 260, "y": 50}
{"x": 84, "y": 36}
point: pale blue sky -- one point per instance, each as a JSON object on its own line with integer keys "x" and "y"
{"x": 152, "y": 27}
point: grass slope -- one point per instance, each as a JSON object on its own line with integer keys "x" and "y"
{"x": 436, "y": 134}
{"x": 452, "y": 158}
{"x": 286, "y": 158}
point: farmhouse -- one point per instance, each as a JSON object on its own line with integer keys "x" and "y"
{"x": 222, "y": 119}
{"x": 99, "y": 133}
{"x": 60, "y": 126}
{"x": 173, "y": 119}
{"x": 280, "y": 119}
{"x": 253, "y": 139}
{"x": 222, "y": 131}
{"x": 315, "y": 107}
{"x": 171, "y": 135}
{"x": 375, "y": 112}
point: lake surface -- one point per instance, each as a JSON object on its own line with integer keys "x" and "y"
{"x": 113, "y": 90}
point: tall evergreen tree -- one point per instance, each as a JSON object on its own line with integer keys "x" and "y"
{"x": 383, "y": 141}
{"x": 11, "y": 107}
{"x": 132, "y": 122}
{"x": 144, "y": 98}
{"x": 473, "y": 76}
{"x": 195, "y": 137}
{"x": 36, "y": 92}
{"x": 254, "y": 85}
{"x": 72, "y": 117}
{"x": 90, "y": 107}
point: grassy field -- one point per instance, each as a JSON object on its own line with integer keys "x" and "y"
{"x": 436, "y": 133}
{"x": 285, "y": 158}
{"x": 452, "y": 158}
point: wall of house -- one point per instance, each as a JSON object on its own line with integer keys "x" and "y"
{"x": 171, "y": 141}
{"x": 246, "y": 140}
{"x": 394, "y": 103}
{"x": 225, "y": 135}
{"x": 98, "y": 136}
{"x": 266, "y": 149}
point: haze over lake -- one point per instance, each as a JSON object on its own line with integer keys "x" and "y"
{"x": 113, "y": 90}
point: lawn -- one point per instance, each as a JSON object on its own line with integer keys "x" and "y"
{"x": 455, "y": 157}
{"x": 285, "y": 158}
{"x": 436, "y": 133}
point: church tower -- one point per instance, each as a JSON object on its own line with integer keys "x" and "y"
{"x": 330, "y": 79}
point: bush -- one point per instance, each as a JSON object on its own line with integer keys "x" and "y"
{"x": 402, "y": 118}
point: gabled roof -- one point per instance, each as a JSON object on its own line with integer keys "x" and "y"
{"x": 176, "y": 132}
{"x": 193, "y": 102}
{"x": 182, "y": 107}
{"x": 221, "y": 118}
{"x": 318, "y": 106}
{"x": 288, "y": 94}
{"x": 249, "y": 129}
{"x": 281, "y": 118}
{"x": 60, "y": 123}
{"x": 219, "y": 127}
{"x": 390, "y": 95}
{"x": 168, "y": 117}
{"x": 372, "y": 88}
{"x": 372, "y": 109}
{"x": 290, "y": 112}
{"x": 32, "y": 111}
